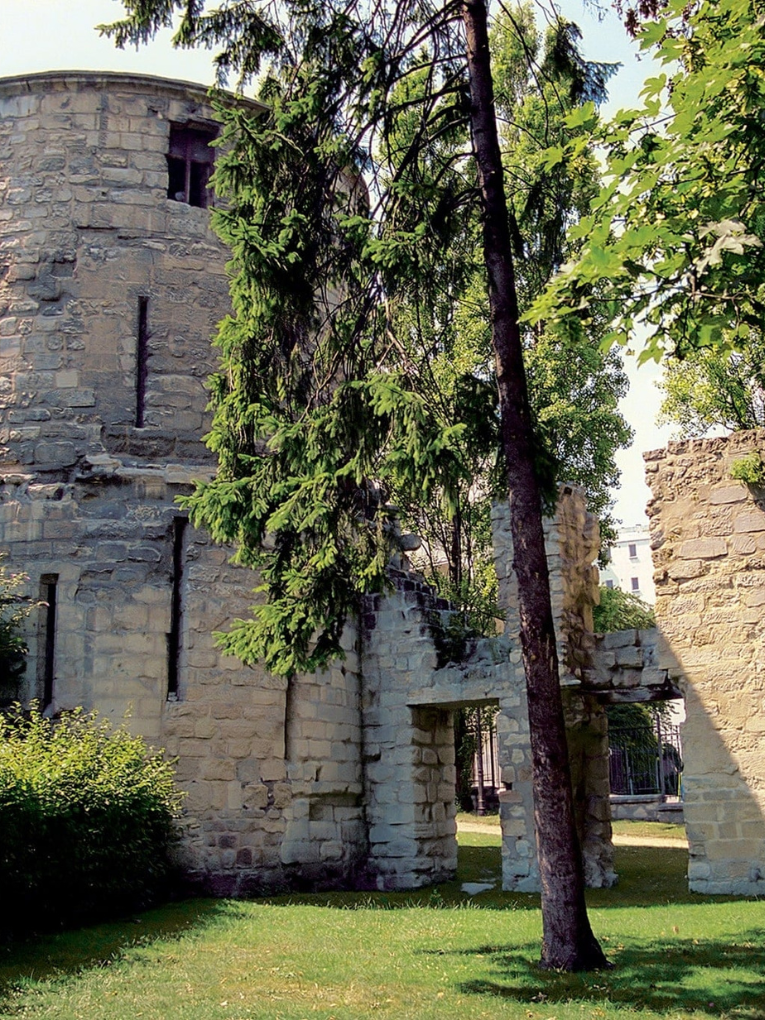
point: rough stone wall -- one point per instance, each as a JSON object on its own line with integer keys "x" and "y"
{"x": 342, "y": 778}
{"x": 628, "y": 666}
{"x": 409, "y": 756}
{"x": 272, "y": 771}
{"x": 86, "y": 230}
{"x": 572, "y": 543}
{"x": 86, "y": 234}
{"x": 587, "y": 735}
{"x": 708, "y": 537}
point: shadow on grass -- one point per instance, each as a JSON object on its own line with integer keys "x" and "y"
{"x": 648, "y": 876}
{"x": 72, "y": 951}
{"x": 708, "y": 977}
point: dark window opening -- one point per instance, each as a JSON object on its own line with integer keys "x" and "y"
{"x": 190, "y": 164}
{"x": 633, "y": 551}
{"x": 609, "y": 584}
{"x": 141, "y": 361}
{"x": 174, "y": 638}
{"x": 47, "y": 637}
{"x": 635, "y": 582}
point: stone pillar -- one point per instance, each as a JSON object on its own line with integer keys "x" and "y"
{"x": 516, "y": 805}
{"x": 708, "y": 537}
{"x": 587, "y": 734}
{"x": 409, "y": 769}
{"x": 572, "y": 542}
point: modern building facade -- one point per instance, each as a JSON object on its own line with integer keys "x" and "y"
{"x": 630, "y": 564}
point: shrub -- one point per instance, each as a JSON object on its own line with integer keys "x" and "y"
{"x": 749, "y": 469}
{"x": 86, "y": 816}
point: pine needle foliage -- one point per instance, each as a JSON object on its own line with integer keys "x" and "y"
{"x": 351, "y": 211}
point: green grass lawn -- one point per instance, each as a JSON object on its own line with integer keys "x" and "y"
{"x": 434, "y": 954}
{"x": 663, "y": 829}
{"x": 623, "y": 828}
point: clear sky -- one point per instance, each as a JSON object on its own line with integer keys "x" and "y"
{"x": 43, "y": 35}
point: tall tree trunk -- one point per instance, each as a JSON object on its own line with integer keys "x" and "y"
{"x": 455, "y": 560}
{"x": 568, "y": 941}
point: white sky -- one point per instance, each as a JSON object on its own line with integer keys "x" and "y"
{"x": 43, "y": 35}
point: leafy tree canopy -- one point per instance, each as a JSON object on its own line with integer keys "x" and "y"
{"x": 621, "y": 610}
{"x": 674, "y": 241}
{"x": 716, "y": 388}
{"x": 574, "y": 384}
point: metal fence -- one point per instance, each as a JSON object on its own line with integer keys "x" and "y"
{"x": 645, "y": 759}
{"x": 485, "y": 787}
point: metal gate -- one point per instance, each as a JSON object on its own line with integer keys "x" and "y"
{"x": 645, "y": 759}
{"x": 485, "y": 782}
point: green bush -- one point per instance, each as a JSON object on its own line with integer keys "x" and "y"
{"x": 749, "y": 469}
{"x": 86, "y": 819}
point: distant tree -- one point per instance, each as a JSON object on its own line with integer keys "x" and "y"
{"x": 715, "y": 388}
{"x": 574, "y": 385}
{"x": 621, "y": 610}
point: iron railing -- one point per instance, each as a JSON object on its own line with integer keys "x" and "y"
{"x": 645, "y": 759}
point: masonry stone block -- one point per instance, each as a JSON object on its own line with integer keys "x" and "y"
{"x": 346, "y": 772}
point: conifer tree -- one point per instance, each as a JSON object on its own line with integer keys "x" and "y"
{"x": 337, "y": 214}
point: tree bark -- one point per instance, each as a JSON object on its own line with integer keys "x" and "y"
{"x": 567, "y": 942}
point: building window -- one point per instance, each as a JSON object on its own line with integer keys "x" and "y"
{"x": 633, "y": 551}
{"x": 635, "y": 582}
{"x": 609, "y": 584}
{"x": 175, "y": 637}
{"x": 189, "y": 164}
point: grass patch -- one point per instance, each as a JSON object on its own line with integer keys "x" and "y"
{"x": 624, "y": 827}
{"x": 466, "y": 816}
{"x": 426, "y": 955}
{"x": 666, "y": 830}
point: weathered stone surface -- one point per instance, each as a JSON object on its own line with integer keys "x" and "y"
{"x": 705, "y": 615}
{"x": 345, "y": 777}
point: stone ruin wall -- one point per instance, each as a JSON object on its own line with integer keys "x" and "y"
{"x": 572, "y": 541}
{"x": 86, "y": 233}
{"x": 87, "y": 496}
{"x": 708, "y": 540}
{"x": 345, "y": 777}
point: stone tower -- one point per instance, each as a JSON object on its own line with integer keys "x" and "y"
{"x": 111, "y": 284}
